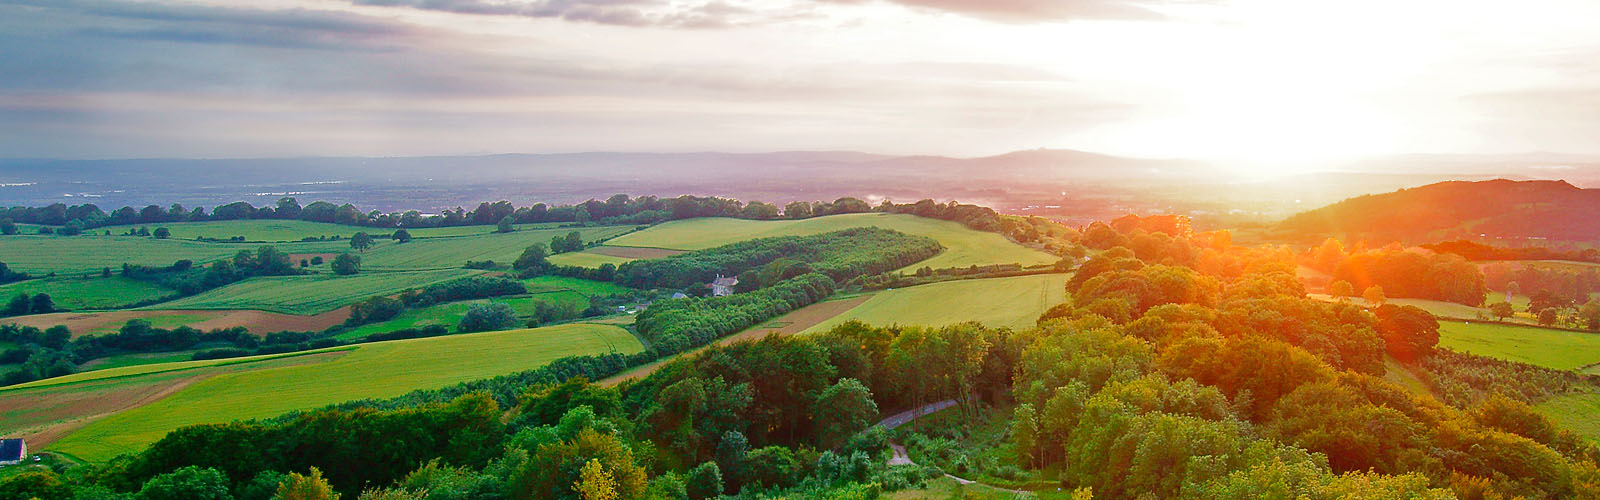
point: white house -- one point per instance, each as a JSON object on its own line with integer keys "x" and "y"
{"x": 723, "y": 286}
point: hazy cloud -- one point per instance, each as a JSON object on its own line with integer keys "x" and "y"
{"x": 636, "y": 13}
{"x": 1033, "y": 11}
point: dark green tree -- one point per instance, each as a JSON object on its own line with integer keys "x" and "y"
{"x": 487, "y": 317}
{"x": 346, "y": 264}
{"x": 401, "y": 236}
{"x": 187, "y": 483}
{"x": 361, "y": 241}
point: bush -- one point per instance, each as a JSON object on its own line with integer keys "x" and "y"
{"x": 346, "y": 264}
{"x": 487, "y": 317}
{"x": 704, "y": 481}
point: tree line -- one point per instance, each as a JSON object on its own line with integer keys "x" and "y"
{"x": 840, "y": 255}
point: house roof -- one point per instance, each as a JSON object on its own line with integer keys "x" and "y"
{"x": 723, "y": 281}
{"x": 11, "y": 449}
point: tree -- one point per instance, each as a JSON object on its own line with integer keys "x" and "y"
{"x": 704, "y": 481}
{"x": 532, "y": 258}
{"x": 1548, "y": 316}
{"x": 361, "y": 241}
{"x": 308, "y": 487}
{"x": 1513, "y": 289}
{"x": 8, "y": 227}
{"x": 1408, "y": 331}
{"x": 41, "y": 484}
{"x": 1374, "y": 295}
{"x": 487, "y": 317}
{"x": 595, "y": 482}
{"x": 507, "y": 224}
{"x": 1502, "y": 309}
{"x": 401, "y": 236}
{"x": 19, "y": 305}
{"x": 42, "y": 304}
{"x": 843, "y": 409}
{"x": 346, "y": 264}
{"x": 162, "y": 233}
{"x": 188, "y": 483}
{"x": 1590, "y": 314}
{"x": 1341, "y": 288}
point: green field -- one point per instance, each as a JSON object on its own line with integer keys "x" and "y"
{"x": 88, "y": 293}
{"x": 1558, "y": 349}
{"x": 1438, "y": 307}
{"x": 586, "y": 259}
{"x": 85, "y": 254}
{"x": 376, "y": 370}
{"x": 998, "y": 302}
{"x": 583, "y": 286}
{"x": 439, "y": 253}
{"x": 1575, "y": 412}
{"x": 265, "y": 230}
{"x": 311, "y": 294}
{"x": 438, "y": 232}
{"x": 963, "y": 246}
{"x": 449, "y": 315}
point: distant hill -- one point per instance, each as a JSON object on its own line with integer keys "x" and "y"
{"x": 1486, "y": 210}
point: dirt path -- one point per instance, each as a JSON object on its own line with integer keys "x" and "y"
{"x": 795, "y": 321}
{"x": 900, "y": 457}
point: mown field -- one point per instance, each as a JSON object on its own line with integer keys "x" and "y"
{"x": 587, "y": 259}
{"x": 265, "y": 230}
{"x": 439, "y": 253}
{"x": 311, "y": 294}
{"x": 85, "y": 254}
{"x": 963, "y": 246}
{"x": 376, "y": 370}
{"x": 1559, "y": 349}
{"x": 579, "y": 285}
{"x": 998, "y": 302}
{"x": 72, "y": 293}
{"x": 1575, "y": 412}
{"x": 450, "y": 314}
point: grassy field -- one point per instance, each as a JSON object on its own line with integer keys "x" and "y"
{"x": 998, "y": 302}
{"x": 311, "y": 294}
{"x": 251, "y": 230}
{"x": 88, "y": 293}
{"x": 1575, "y": 412}
{"x": 963, "y": 246}
{"x": 377, "y": 370}
{"x": 85, "y": 254}
{"x": 1559, "y": 349}
{"x": 583, "y": 286}
{"x": 449, "y": 315}
{"x": 439, "y": 253}
{"x": 443, "y": 232}
{"x": 586, "y": 259}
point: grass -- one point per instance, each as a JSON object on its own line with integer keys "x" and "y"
{"x": 453, "y": 252}
{"x": 377, "y": 370}
{"x": 1558, "y": 349}
{"x": 449, "y": 315}
{"x": 136, "y": 359}
{"x": 89, "y": 293}
{"x": 583, "y": 286}
{"x": 444, "y": 232}
{"x": 252, "y": 230}
{"x": 1439, "y": 308}
{"x": 963, "y": 246}
{"x": 311, "y": 294}
{"x": 1519, "y": 301}
{"x": 586, "y": 259}
{"x": 997, "y": 302}
{"x": 1575, "y": 412}
{"x": 86, "y": 254}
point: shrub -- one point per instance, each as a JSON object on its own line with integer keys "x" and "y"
{"x": 487, "y": 317}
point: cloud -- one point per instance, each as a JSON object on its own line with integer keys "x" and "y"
{"x": 189, "y": 23}
{"x": 634, "y": 13}
{"x": 1033, "y": 11}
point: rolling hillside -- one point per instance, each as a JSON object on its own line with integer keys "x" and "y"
{"x": 1497, "y": 209}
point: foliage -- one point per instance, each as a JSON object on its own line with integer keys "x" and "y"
{"x": 487, "y": 317}
{"x": 840, "y": 255}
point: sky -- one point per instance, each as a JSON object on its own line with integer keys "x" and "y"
{"x": 1266, "y": 81}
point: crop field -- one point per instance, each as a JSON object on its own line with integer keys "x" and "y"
{"x": 376, "y": 370}
{"x": 963, "y": 246}
{"x": 88, "y": 293}
{"x": 440, "y": 253}
{"x": 1558, "y": 349}
{"x": 263, "y": 230}
{"x": 587, "y": 259}
{"x": 997, "y": 302}
{"x": 449, "y": 314}
{"x": 442, "y": 232}
{"x": 85, "y": 254}
{"x": 1575, "y": 412}
{"x": 311, "y": 294}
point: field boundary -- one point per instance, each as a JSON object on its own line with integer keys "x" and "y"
{"x": 269, "y": 357}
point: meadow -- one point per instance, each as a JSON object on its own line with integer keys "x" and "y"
{"x": 1014, "y": 302}
{"x": 1558, "y": 349}
{"x": 376, "y": 370}
{"x": 86, "y": 254}
{"x": 587, "y": 259}
{"x": 963, "y": 246}
{"x": 78, "y": 294}
{"x": 1575, "y": 412}
{"x": 311, "y": 294}
{"x": 263, "y": 230}
{"x": 449, "y": 314}
{"x": 453, "y": 252}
